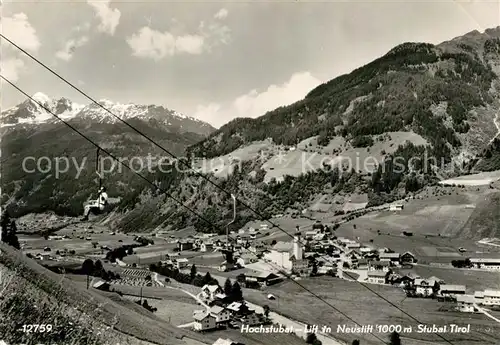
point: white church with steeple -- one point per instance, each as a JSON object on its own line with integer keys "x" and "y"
{"x": 288, "y": 255}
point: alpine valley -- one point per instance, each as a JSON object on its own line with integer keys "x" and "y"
{"x": 437, "y": 102}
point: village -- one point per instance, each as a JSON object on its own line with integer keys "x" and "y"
{"x": 216, "y": 270}
{"x": 255, "y": 265}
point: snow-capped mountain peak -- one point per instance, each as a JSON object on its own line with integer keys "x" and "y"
{"x": 34, "y": 111}
{"x": 41, "y": 98}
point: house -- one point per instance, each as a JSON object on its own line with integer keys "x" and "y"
{"x": 377, "y": 277}
{"x": 392, "y": 257}
{"x": 221, "y": 341}
{"x": 207, "y": 247}
{"x": 246, "y": 259}
{"x": 407, "y": 258}
{"x": 239, "y": 309}
{"x": 353, "y": 245}
{"x": 379, "y": 266}
{"x": 491, "y": 297}
{"x": 261, "y": 277}
{"x": 465, "y": 303}
{"x": 396, "y": 207}
{"x": 310, "y": 235}
{"x": 489, "y": 264}
{"x": 204, "y": 321}
{"x": 186, "y": 244}
{"x": 221, "y": 314}
{"x": 251, "y": 319}
{"x": 479, "y": 296}
{"x": 101, "y": 285}
{"x": 209, "y": 292}
{"x": 227, "y": 266}
{"x": 363, "y": 264}
{"x": 181, "y": 263}
{"x": 424, "y": 287}
{"x": 451, "y": 290}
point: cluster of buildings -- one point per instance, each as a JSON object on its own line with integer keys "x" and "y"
{"x": 221, "y": 313}
{"x": 470, "y": 303}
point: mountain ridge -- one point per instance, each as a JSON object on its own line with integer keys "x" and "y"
{"x": 31, "y": 113}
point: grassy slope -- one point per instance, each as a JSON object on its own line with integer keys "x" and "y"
{"x": 485, "y": 220}
{"x": 366, "y": 308}
{"x": 107, "y": 310}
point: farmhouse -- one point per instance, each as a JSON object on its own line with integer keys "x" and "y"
{"x": 187, "y": 244}
{"x": 392, "y": 257}
{"x": 479, "y": 296}
{"x": 246, "y": 259}
{"x": 221, "y": 314}
{"x": 363, "y": 264}
{"x": 465, "y": 303}
{"x": 181, "y": 263}
{"x": 262, "y": 278}
{"x": 407, "y": 258}
{"x": 396, "y": 207}
{"x": 491, "y": 297}
{"x": 379, "y": 266}
{"x": 251, "y": 319}
{"x": 207, "y": 247}
{"x": 209, "y": 292}
{"x": 424, "y": 287}
{"x": 451, "y": 290}
{"x": 377, "y": 277}
{"x": 489, "y": 264}
{"x": 101, "y": 285}
{"x": 204, "y": 321}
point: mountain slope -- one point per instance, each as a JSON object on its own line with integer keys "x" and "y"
{"x": 71, "y": 308}
{"x": 51, "y": 167}
{"x": 444, "y": 96}
{"x": 446, "y": 93}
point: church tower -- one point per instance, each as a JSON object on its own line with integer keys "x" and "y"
{"x": 297, "y": 247}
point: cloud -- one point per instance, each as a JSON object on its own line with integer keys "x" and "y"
{"x": 221, "y": 14}
{"x": 157, "y": 45}
{"x": 18, "y": 29}
{"x": 11, "y": 68}
{"x": 67, "y": 52}
{"x": 110, "y": 18}
{"x": 149, "y": 43}
{"x": 254, "y": 104}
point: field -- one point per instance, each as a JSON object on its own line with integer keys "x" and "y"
{"x": 435, "y": 221}
{"x": 479, "y": 179}
{"x": 472, "y": 279}
{"x": 77, "y": 240}
{"x": 364, "y": 307}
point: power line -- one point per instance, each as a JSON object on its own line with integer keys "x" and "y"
{"x": 174, "y": 156}
{"x": 163, "y": 191}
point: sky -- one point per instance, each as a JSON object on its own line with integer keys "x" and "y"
{"x": 213, "y": 60}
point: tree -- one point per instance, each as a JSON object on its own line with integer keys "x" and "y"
{"x": 314, "y": 270}
{"x": 228, "y": 287}
{"x": 236, "y": 293}
{"x": 88, "y": 267}
{"x": 192, "y": 275}
{"x": 9, "y": 230}
{"x": 394, "y": 339}
{"x": 266, "y": 311}
{"x": 98, "y": 266}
